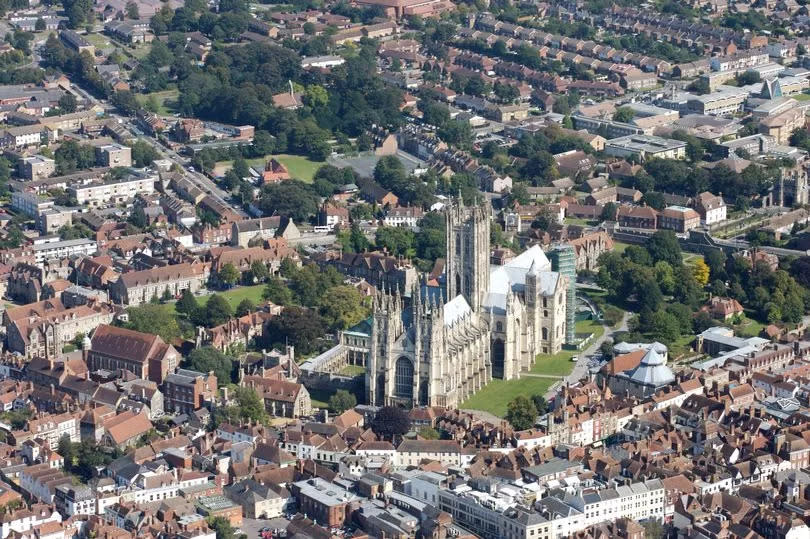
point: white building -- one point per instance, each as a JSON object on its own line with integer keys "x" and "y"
{"x": 646, "y": 147}
{"x": 116, "y": 192}
{"x": 407, "y": 216}
{"x": 29, "y": 203}
{"x": 64, "y": 249}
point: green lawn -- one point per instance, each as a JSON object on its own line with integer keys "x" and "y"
{"x": 353, "y": 370}
{"x": 681, "y": 346}
{"x": 749, "y": 327}
{"x": 97, "y": 40}
{"x": 558, "y": 364}
{"x": 801, "y": 97}
{"x": 166, "y": 99}
{"x": 300, "y": 167}
{"x": 590, "y": 326}
{"x": 577, "y": 221}
{"x": 320, "y": 397}
{"x": 619, "y": 247}
{"x": 495, "y": 397}
{"x": 233, "y": 296}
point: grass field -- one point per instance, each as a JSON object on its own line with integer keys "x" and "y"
{"x": 233, "y": 296}
{"x": 558, "y": 364}
{"x": 495, "y": 397}
{"x": 320, "y": 397}
{"x": 166, "y": 101}
{"x": 353, "y": 370}
{"x": 619, "y": 247}
{"x": 749, "y": 328}
{"x": 801, "y": 97}
{"x": 300, "y": 167}
{"x": 98, "y": 40}
{"x": 576, "y": 221}
{"x": 590, "y": 326}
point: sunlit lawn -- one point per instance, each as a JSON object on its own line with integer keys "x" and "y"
{"x": 495, "y": 397}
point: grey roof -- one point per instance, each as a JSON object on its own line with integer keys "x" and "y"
{"x": 652, "y": 371}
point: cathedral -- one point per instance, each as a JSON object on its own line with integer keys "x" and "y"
{"x": 485, "y": 322}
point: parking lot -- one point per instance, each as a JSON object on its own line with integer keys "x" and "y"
{"x": 251, "y": 526}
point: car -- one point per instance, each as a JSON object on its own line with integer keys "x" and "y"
{"x": 575, "y": 358}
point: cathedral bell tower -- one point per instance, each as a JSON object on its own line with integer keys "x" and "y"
{"x": 467, "y": 264}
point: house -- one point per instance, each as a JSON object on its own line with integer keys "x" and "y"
{"x": 146, "y": 356}
{"x": 186, "y": 391}
{"x": 275, "y": 172}
{"x": 679, "y": 219}
{"x": 405, "y": 216}
{"x": 333, "y": 215}
{"x": 712, "y": 208}
{"x": 247, "y": 231}
{"x": 125, "y": 429}
{"x": 282, "y": 398}
{"x": 138, "y": 287}
{"x": 259, "y": 500}
{"x": 723, "y": 308}
{"x": 637, "y": 217}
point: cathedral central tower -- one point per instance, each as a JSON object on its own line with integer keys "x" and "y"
{"x": 467, "y": 263}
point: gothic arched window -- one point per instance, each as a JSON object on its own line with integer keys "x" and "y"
{"x": 498, "y": 326}
{"x": 403, "y": 378}
{"x": 545, "y": 334}
{"x": 458, "y": 244}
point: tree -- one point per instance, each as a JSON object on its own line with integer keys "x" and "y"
{"x": 800, "y": 270}
{"x": 154, "y": 319}
{"x": 716, "y": 260}
{"x": 217, "y": 310}
{"x": 342, "y": 307}
{"x": 207, "y": 359}
{"x": 259, "y": 271}
{"x": 124, "y": 101}
{"x": 341, "y": 401}
{"x": 187, "y": 304}
{"x": 67, "y": 103}
{"x": 700, "y": 271}
{"x": 277, "y": 292}
{"x": 652, "y": 529}
{"x": 540, "y": 404}
{"x": 702, "y": 322}
{"x": 609, "y": 212}
{"x": 521, "y": 413}
{"x": 301, "y": 327}
{"x": 143, "y": 154}
{"x": 663, "y": 245}
{"x": 132, "y": 10}
{"x": 396, "y": 240}
{"x": 390, "y": 421}
{"x": 222, "y": 527}
{"x": 246, "y": 306}
{"x": 251, "y": 405}
{"x": 624, "y": 114}
{"x": 292, "y": 198}
{"x": 428, "y": 433}
{"x": 40, "y": 25}
{"x": 228, "y": 274}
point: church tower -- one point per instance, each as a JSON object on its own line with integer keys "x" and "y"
{"x": 467, "y": 263}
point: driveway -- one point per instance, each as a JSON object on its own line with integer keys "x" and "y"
{"x": 251, "y": 526}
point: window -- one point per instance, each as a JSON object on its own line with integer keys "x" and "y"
{"x": 498, "y": 326}
{"x": 403, "y": 380}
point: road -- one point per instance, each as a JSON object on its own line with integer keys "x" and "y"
{"x": 200, "y": 180}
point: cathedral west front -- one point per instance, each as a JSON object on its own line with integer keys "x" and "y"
{"x": 485, "y": 321}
